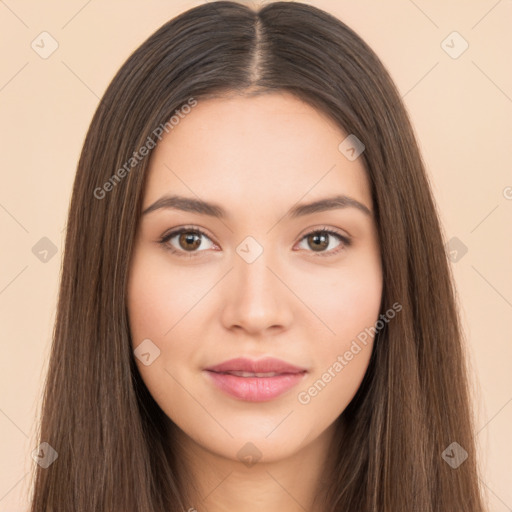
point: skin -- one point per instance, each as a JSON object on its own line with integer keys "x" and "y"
{"x": 256, "y": 157}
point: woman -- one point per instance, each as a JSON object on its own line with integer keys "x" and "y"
{"x": 256, "y": 308}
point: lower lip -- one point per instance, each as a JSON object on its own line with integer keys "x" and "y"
{"x": 255, "y": 389}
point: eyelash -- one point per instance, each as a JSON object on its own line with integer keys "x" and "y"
{"x": 164, "y": 241}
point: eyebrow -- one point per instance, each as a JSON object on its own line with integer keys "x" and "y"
{"x": 188, "y": 204}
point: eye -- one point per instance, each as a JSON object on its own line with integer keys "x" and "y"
{"x": 188, "y": 240}
{"x": 321, "y": 242}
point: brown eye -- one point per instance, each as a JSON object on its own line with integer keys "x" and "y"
{"x": 189, "y": 240}
{"x": 323, "y": 242}
{"x": 318, "y": 241}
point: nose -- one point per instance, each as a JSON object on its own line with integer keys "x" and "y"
{"x": 256, "y": 298}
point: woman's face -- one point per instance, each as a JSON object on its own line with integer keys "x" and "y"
{"x": 265, "y": 280}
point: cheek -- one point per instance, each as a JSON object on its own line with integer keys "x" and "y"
{"x": 342, "y": 358}
{"x": 157, "y": 302}
{"x": 164, "y": 306}
{"x": 349, "y": 302}
{"x": 158, "y": 298}
{"x": 346, "y": 301}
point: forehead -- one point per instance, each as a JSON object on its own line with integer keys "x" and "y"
{"x": 239, "y": 150}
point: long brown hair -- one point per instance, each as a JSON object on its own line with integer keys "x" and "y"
{"x": 111, "y": 437}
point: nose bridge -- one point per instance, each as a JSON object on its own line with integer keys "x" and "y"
{"x": 254, "y": 255}
{"x": 254, "y": 275}
{"x": 256, "y": 300}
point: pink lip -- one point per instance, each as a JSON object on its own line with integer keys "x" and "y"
{"x": 255, "y": 389}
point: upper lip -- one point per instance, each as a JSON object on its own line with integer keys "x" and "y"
{"x": 266, "y": 365}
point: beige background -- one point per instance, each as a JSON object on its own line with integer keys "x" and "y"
{"x": 462, "y": 112}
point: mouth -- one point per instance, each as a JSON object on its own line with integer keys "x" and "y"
{"x": 254, "y": 386}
